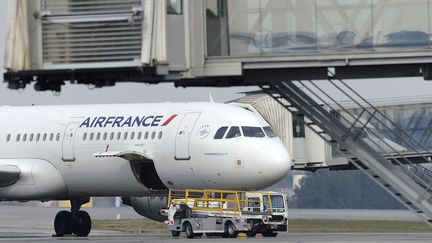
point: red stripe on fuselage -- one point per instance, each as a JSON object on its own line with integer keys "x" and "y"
{"x": 169, "y": 120}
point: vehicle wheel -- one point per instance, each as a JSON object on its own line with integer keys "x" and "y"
{"x": 251, "y": 234}
{"x": 63, "y": 223}
{"x": 82, "y": 224}
{"x": 269, "y": 233}
{"x": 230, "y": 231}
{"x": 175, "y": 233}
{"x": 189, "y": 230}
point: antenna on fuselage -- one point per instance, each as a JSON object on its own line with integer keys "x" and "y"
{"x": 211, "y": 98}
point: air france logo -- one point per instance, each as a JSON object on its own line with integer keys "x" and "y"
{"x": 127, "y": 121}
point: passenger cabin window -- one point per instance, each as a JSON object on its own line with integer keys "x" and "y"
{"x": 132, "y": 135}
{"x": 98, "y": 135}
{"x": 269, "y": 131}
{"x": 38, "y": 137}
{"x": 24, "y": 137}
{"x": 105, "y": 136}
{"x": 18, "y": 137}
{"x": 254, "y": 132}
{"x": 44, "y": 137}
{"x": 233, "y": 132}
{"x": 31, "y": 137}
{"x": 139, "y": 135}
{"x": 160, "y": 135}
{"x": 8, "y": 138}
{"x": 51, "y": 136}
{"x": 91, "y": 136}
{"x": 84, "y": 136}
{"x": 146, "y": 135}
{"x": 153, "y": 135}
{"x": 57, "y": 137}
{"x": 118, "y": 135}
{"x": 112, "y": 136}
{"x": 220, "y": 133}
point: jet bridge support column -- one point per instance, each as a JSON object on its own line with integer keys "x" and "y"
{"x": 407, "y": 181}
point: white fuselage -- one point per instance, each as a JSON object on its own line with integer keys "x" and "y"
{"x": 55, "y": 149}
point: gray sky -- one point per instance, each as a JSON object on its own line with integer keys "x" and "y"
{"x": 135, "y": 92}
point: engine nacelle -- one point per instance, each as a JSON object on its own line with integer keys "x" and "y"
{"x": 149, "y": 206}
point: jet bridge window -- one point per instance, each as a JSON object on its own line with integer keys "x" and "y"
{"x": 233, "y": 132}
{"x": 220, "y": 133}
{"x": 254, "y": 132}
{"x": 269, "y": 131}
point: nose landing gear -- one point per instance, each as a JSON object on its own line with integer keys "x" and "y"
{"x": 74, "y": 222}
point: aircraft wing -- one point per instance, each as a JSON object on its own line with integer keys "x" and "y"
{"x": 9, "y": 174}
{"x": 127, "y": 155}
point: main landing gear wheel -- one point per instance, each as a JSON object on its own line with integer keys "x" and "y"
{"x": 63, "y": 223}
{"x": 82, "y": 224}
{"x": 75, "y": 222}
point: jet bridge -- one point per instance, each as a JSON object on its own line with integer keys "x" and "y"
{"x": 214, "y": 42}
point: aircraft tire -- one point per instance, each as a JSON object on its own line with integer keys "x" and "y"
{"x": 63, "y": 223}
{"x": 82, "y": 224}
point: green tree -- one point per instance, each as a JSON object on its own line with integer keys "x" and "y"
{"x": 342, "y": 190}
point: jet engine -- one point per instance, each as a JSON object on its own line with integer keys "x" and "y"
{"x": 148, "y": 206}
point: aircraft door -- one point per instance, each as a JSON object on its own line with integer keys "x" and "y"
{"x": 184, "y": 133}
{"x": 68, "y": 142}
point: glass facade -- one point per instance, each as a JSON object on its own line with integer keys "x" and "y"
{"x": 262, "y": 27}
{"x": 414, "y": 119}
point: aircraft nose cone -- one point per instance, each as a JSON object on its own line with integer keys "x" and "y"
{"x": 273, "y": 162}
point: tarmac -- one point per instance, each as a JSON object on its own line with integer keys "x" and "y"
{"x": 35, "y": 224}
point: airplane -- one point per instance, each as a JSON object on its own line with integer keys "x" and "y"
{"x": 134, "y": 151}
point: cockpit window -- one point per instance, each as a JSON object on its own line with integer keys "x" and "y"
{"x": 233, "y": 132}
{"x": 255, "y": 132}
{"x": 269, "y": 131}
{"x": 220, "y": 133}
